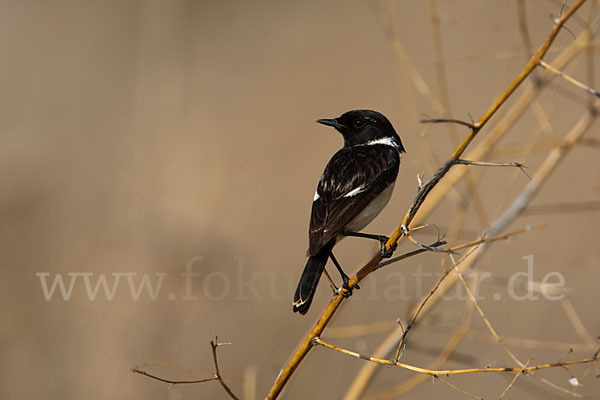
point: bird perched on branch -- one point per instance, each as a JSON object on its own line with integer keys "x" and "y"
{"x": 356, "y": 185}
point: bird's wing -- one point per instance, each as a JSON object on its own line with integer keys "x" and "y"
{"x": 352, "y": 179}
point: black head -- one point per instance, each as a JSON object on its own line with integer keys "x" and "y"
{"x": 360, "y": 127}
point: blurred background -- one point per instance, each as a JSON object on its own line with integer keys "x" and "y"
{"x": 144, "y": 139}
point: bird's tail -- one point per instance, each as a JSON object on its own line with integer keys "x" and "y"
{"x": 310, "y": 278}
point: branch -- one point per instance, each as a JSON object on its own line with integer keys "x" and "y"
{"x": 140, "y": 371}
{"x": 217, "y": 377}
{"x": 448, "y": 372}
{"x": 214, "y": 344}
{"x": 470, "y": 125}
{"x": 336, "y": 301}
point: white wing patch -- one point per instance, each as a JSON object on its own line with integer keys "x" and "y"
{"x": 316, "y": 196}
{"x": 388, "y": 141}
{"x": 356, "y": 191}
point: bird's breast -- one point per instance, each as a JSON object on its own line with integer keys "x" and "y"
{"x": 371, "y": 211}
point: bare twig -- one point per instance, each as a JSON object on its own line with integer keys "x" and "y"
{"x": 456, "y": 388}
{"x": 522, "y": 167}
{"x": 448, "y": 372}
{"x": 416, "y": 315}
{"x": 435, "y": 247}
{"x": 213, "y": 345}
{"x": 409, "y": 254}
{"x": 138, "y": 369}
{"x": 470, "y": 125}
{"x": 569, "y": 79}
{"x": 512, "y": 382}
{"x": 490, "y": 163}
{"x": 443, "y": 277}
{"x": 454, "y": 249}
{"x": 483, "y": 317}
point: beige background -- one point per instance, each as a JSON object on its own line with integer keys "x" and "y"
{"x": 137, "y": 135}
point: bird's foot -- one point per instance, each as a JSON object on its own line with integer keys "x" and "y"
{"x": 347, "y": 292}
{"x": 386, "y": 253}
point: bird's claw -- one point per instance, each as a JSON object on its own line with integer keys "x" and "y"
{"x": 386, "y": 253}
{"x": 348, "y": 290}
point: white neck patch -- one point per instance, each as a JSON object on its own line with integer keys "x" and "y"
{"x": 388, "y": 141}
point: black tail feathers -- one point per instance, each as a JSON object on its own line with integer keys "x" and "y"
{"x": 310, "y": 279}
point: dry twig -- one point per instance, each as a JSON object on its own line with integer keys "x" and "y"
{"x": 138, "y": 369}
{"x": 449, "y": 372}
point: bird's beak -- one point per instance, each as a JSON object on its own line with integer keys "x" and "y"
{"x": 331, "y": 122}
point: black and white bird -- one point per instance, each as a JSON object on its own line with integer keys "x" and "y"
{"x": 356, "y": 185}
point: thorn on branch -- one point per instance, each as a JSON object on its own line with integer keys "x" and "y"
{"x": 556, "y": 20}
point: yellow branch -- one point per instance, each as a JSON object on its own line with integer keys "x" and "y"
{"x": 447, "y": 372}
{"x": 335, "y": 302}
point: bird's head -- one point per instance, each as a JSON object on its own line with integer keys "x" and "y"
{"x": 361, "y": 127}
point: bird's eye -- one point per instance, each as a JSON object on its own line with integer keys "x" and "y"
{"x": 358, "y": 123}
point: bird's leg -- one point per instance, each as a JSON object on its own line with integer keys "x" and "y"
{"x": 345, "y": 277}
{"x": 380, "y": 238}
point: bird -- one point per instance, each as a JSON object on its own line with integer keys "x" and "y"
{"x": 356, "y": 185}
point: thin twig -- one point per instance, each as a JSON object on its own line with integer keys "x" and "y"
{"x": 448, "y": 372}
{"x": 470, "y": 125}
{"x": 454, "y": 249}
{"x": 441, "y": 359}
{"x": 459, "y": 390}
{"x": 510, "y": 385}
{"x": 569, "y": 79}
{"x": 522, "y": 167}
{"x": 214, "y": 344}
{"x": 483, "y": 317}
{"x": 416, "y": 315}
{"x": 491, "y": 163}
{"x": 217, "y": 377}
{"x": 172, "y": 382}
{"x": 419, "y": 309}
{"x": 435, "y": 247}
{"x": 409, "y": 254}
